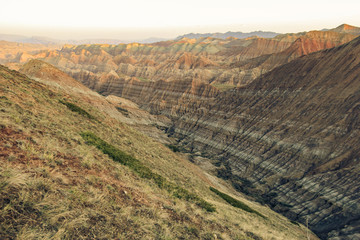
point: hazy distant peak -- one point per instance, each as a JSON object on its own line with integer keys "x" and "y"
{"x": 239, "y": 35}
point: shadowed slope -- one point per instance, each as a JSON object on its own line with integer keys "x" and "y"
{"x": 291, "y": 137}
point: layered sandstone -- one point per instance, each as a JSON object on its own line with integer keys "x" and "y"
{"x": 291, "y": 137}
{"x": 222, "y": 63}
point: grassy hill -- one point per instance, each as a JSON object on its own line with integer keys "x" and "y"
{"x": 57, "y": 183}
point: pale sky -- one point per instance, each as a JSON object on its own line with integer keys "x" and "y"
{"x": 138, "y": 19}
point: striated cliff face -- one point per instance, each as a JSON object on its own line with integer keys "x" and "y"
{"x": 171, "y": 99}
{"x": 301, "y": 44}
{"x": 291, "y": 137}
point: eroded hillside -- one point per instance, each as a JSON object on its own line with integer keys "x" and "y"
{"x": 59, "y": 180}
{"x": 223, "y": 63}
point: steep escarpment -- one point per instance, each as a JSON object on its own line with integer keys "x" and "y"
{"x": 291, "y": 138}
{"x": 301, "y": 44}
{"x": 171, "y": 99}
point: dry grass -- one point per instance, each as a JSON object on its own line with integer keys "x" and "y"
{"x": 54, "y": 186}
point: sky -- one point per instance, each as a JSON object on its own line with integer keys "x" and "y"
{"x": 140, "y": 19}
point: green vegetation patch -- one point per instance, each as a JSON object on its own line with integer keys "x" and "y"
{"x": 223, "y": 87}
{"x": 295, "y": 223}
{"x": 77, "y": 109}
{"x": 144, "y": 172}
{"x": 124, "y": 111}
{"x": 144, "y": 79}
{"x": 235, "y": 203}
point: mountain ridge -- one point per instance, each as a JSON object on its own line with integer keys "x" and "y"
{"x": 346, "y": 28}
{"x": 47, "y": 41}
{"x": 229, "y": 34}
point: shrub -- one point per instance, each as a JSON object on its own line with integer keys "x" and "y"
{"x": 295, "y": 223}
{"x": 144, "y": 172}
{"x": 235, "y": 203}
{"x": 173, "y": 147}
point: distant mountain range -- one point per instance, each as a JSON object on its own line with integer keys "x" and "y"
{"x": 344, "y": 28}
{"x": 51, "y": 41}
{"x": 33, "y": 39}
{"x": 229, "y": 34}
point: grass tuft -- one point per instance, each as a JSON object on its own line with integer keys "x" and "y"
{"x": 144, "y": 172}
